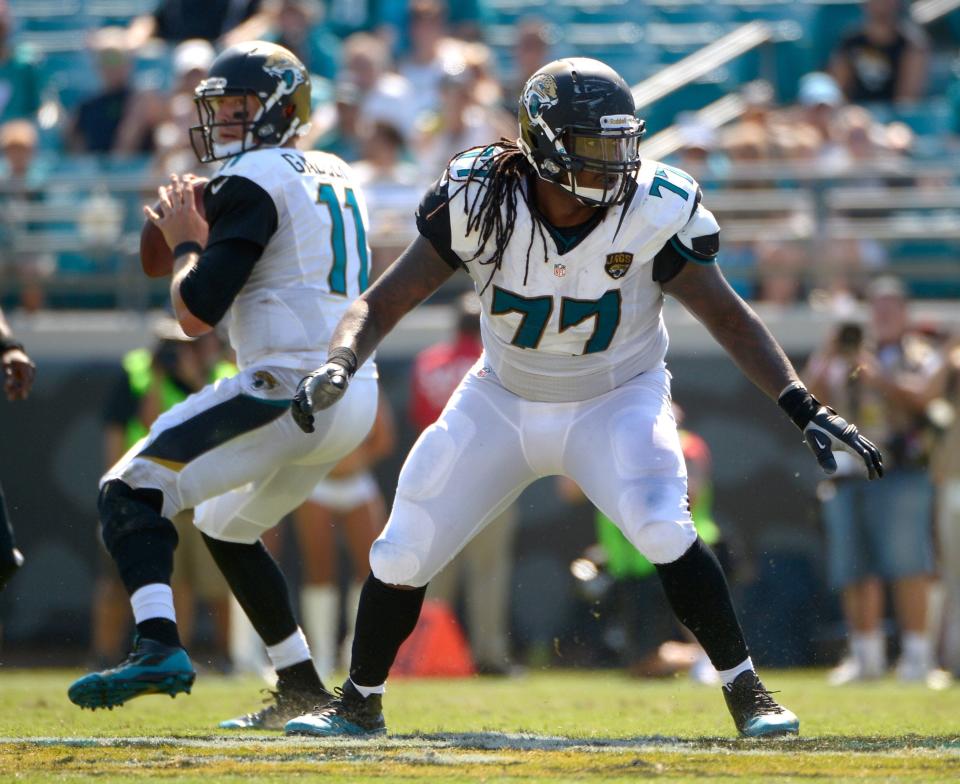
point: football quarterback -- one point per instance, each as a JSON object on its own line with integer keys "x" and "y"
{"x": 279, "y": 256}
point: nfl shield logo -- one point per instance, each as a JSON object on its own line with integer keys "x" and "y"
{"x": 559, "y": 270}
{"x": 617, "y": 264}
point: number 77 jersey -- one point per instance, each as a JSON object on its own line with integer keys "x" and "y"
{"x": 581, "y": 314}
{"x": 314, "y": 264}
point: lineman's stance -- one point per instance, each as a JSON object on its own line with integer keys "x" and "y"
{"x": 571, "y": 241}
{"x": 285, "y": 255}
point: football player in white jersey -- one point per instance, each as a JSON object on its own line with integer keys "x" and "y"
{"x": 280, "y": 256}
{"x": 571, "y": 240}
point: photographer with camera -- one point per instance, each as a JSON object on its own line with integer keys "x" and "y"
{"x": 877, "y": 533}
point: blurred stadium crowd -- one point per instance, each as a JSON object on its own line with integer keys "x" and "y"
{"x": 821, "y": 130}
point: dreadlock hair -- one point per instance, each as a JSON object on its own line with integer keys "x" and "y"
{"x": 501, "y": 176}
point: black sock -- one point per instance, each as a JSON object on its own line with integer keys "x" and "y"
{"x": 160, "y": 629}
{"x": 299, "y": 677}
{"x": 700, "y": 597}
{"x": 385, "y": 618}
{"x": 259, "y": 586}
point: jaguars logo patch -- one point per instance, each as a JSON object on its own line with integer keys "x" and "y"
{"x": 264, "y": 379}
{"x": 541, "y": 94}
{"x": 617, "y": 264}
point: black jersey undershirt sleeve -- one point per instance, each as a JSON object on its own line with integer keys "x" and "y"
{"x": 242, "y": 218}
{"x": 433, "y": 221}
{"x": 236, "y": 207}
{"x": 211, "y": 285}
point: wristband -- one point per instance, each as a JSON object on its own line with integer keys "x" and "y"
{"x": 345, "y": 357}
{"x": 799, "y": 405}
{"x": 9, "y": 344}
{"x": 184, "y": 248}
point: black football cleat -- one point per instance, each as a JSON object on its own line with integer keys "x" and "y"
{"x": 350, "y": 714}
{"x": 755, "y": 712}
{"x": 280, "y": 708}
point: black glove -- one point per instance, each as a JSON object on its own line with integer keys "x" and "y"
{"x": 323, "y": 387}
{"x": 824, "y": 430}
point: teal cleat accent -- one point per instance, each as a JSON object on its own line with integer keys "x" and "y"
{"x": 280, "y": 708}
{"x": 350, "y": 715}
{"x": 151, "y": 668}
{"x": 755, "y": 712}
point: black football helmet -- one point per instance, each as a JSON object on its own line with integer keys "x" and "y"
{"x": 273, "y": 75}
{"x": 578, "y": 128}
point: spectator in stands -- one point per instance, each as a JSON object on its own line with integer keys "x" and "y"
{"x": 180, "y": 20}
{"x": 297, "y": 25}
{"x": 698, "y": 140}
{"x": 881, "y": 532}
{"x": 191, "y": 61}
{"x": 23, "y": 177}
{"x": 483, "y": 570}
{"x": 432, "y": 53}
{"x": 118, "y": 118}
{"x": 478, "y": 60}
{"x": 19, "y": 83}
{"x": 945, "y": 389}
{"x": 884, "y": 59}
{"x": 367, "y": 88}
{"x": 390, "y": 185}
{"x": 459, "y": 123}
{"x": 821, "y": 99}
{"x": 530, "y": 51}
{"x": 338, "y": 133}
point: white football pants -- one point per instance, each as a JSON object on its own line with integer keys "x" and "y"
{"x": 233, "y": 453}
{"x": 621, "y": 448}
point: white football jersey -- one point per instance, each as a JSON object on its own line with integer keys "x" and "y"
{"x": 570, "y": 326}
{"x": 315, "y": 264}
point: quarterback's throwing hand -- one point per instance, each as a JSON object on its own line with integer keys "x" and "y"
{"x": 824, "y": 430}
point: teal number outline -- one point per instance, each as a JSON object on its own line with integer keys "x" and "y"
{"x": 660, "y": 180}
{"x": 574, "y": 311}
{"x": 337, "y": 280}
{"x": 351, "y": 201}
{"x": 504, "y": 302}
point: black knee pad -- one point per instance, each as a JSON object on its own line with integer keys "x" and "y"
{"x": 125, "y": 510}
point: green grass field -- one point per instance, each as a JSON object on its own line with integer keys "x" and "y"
{"x": 558, "y": 727}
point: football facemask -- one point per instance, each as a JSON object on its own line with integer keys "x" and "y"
{"x": 214, "y": 139}
{"x": 600, "y": 165}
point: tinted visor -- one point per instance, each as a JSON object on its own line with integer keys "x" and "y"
{"x": 605, "y": 151}
{"x": 604, "y": 163}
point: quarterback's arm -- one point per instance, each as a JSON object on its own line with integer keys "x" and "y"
{"x": 414, "y": 276}
{"x": 703, "y": 291}
{"x": 242, "y": 218}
